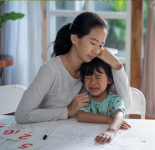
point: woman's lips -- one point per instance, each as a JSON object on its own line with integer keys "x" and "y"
{"x": 94, "y": 89}
{"x": 92, "y": 57}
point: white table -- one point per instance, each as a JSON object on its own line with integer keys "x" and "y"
{"x": 141, "y": 129}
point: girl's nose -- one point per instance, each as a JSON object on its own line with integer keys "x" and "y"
{"x": 93, "y": 81}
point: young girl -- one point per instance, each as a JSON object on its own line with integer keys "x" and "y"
{"x": 104, "y": 107}
{"x": 56, "y": 92}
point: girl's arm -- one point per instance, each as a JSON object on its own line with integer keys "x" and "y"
{"x": 122, "y": 87}
{"x": 83, "y": 116}
{"x": 108, "y": 135}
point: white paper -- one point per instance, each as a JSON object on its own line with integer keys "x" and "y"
{"x": 4, "y": 125}
{"x": 132, "y": 144}
{"x": 11, "y": 130}
{"x": 23, "y": 135}
{"x": 38, "y": 134}
{"x": 26, "y": 145}
{"x": 2, "y": 139}
{"x": 66, "y": 137}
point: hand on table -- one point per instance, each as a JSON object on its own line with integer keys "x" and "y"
{"x": 125, "y": 125}
{"x": 80, "y": 100}
{"x": 104, "y": 137}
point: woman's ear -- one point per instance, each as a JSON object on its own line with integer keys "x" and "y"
{"x": 110, "y": 80}
{"x": 73, "y": 38}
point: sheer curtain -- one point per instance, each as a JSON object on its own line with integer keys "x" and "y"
{"x": 22, "y": 39}
{"x": 148, "y": 72}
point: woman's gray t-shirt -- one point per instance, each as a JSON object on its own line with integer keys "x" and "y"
{"x": 53, "y": 90}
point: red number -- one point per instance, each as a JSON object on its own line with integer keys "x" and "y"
{"x": 24, "y": 146}
{"x": 7, "y": 132}
{"x": 17, "y": 131}
{"x": 26, "y": 135}
{"x": 1, "y": 127}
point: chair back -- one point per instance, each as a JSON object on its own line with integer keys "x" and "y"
{"x": 138, "y": 103}
{"x": 10, "y": 96}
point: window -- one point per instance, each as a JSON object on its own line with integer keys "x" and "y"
{"x": 116, "y": 13}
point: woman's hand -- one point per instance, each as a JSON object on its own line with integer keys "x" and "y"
{"x": 110, "y": 59}
{"x": 104, "y": 137}
{"x": 80, "y": 100}
{"x": 125, "y": 125}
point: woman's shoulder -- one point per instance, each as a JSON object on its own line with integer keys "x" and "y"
{"x": 54, "y": 63}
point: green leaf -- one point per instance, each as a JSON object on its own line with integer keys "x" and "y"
{"x": 12, "y": 16}
{"x": 1, "y": 3}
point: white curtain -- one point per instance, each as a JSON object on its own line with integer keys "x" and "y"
{"x": 22, "y": 39}
{"x": 148, "y": 72}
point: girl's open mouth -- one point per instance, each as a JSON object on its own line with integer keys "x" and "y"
{"x": 94, "y": 89}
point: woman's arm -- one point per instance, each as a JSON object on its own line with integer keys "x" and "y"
{"x": 92, "y": 118}
{"x": 28, "y": 110}
{"x": 108, "y": 135}
{"x": 122, "y": 87}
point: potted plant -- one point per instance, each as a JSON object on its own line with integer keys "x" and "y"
{"x": 7, "y": 16}
{"x": 6, "y": 60}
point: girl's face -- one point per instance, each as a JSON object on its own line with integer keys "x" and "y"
{"x": 90, "y": 46}
{"x": 96, "y": 84}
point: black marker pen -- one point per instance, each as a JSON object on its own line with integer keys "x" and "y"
{"x": 48, "y": 133}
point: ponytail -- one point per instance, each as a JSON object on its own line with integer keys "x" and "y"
{"x": 62, "y": 43}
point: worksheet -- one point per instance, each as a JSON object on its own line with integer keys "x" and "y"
{"x": 81, "y": 138}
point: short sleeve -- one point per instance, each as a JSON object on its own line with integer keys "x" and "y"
{"x": 118, "y": 104}
{"x": 86, "y": 109}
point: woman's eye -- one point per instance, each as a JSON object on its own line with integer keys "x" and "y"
{"x": 87, "y": 78}
{"x": 92, "y": 43}
{"x": 98, "y": 78}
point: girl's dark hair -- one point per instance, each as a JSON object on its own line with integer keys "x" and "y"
{"x": 95, "y": 64}
{"x": 81, "y": 26}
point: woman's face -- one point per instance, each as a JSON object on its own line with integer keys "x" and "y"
{"x": 90, "y": 46}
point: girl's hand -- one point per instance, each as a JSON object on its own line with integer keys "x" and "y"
{"x": 78, "y": 102}
{"x": 110, "y": 59}
{"x": 104, "y": 137}
{"x": 125, "y": 125}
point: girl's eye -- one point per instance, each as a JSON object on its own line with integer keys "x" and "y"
{"x": 98, "y": 78}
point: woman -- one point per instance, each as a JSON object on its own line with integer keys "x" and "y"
{"x": 54, "y": 93}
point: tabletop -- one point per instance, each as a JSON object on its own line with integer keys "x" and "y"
{"x": 142, "y": 129}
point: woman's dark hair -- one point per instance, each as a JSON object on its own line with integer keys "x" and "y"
{"x": 95, "y": 64}
{"x": 81, "y": 26}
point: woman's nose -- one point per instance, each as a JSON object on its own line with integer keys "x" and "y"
{"x": 96, "y": 51}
